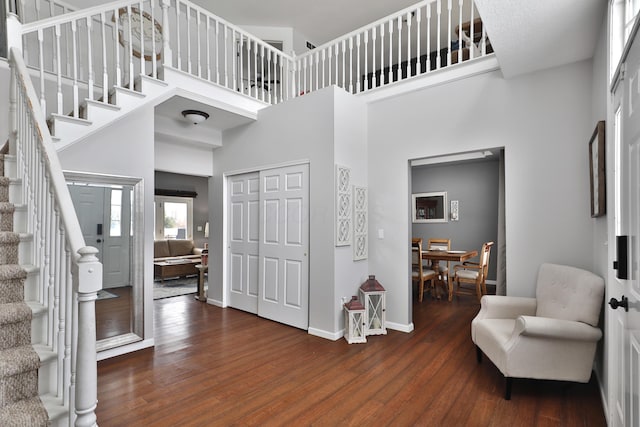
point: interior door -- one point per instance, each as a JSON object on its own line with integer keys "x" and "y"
{"x": 624, "y": 291}
{"x": 89, "y": 204}
{"x": 284, "y": 245}
{"x": 243, "y": 226}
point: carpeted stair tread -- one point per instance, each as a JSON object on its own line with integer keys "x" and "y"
{"x": 24, "y": 413}
{"x": 17, "y": 360}
{"x": 15, "y": 325}
{"x": 12, "y": 271}
{"x": 12, "y": 279}
{"x": 14, "y": 312}
{"x": 6, "y": 216}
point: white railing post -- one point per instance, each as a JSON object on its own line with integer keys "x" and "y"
{"x": 89, "y": 282}
{"x": 14, "y": 32}
{"x": 167, "y": 55}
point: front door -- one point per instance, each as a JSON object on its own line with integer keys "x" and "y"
{"x": 623, "y": 339}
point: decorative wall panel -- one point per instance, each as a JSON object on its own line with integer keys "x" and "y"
{"x": 343, "y": 206}
{"x": 360, "y": 223}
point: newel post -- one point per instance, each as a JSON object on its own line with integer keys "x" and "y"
{"x": 89, "y": 282}
{"x": 167, "y": 55}
{"x": 14, "y": 27}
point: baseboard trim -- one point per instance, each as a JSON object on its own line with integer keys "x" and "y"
{"x": 400, "y": 327}
{"x": 216, "y": 302}
{"x": 603, "y": 397}
{"x": 333, "y": 336}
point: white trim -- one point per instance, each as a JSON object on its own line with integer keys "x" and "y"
{"x": 333, "y": 336}
{"x": 118, "y": 351}
{"x": 399, "y": 326}
{"x": 216, "y": 303}
{"x": 225, "y": 175}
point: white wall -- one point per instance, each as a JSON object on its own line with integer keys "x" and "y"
{"x": 127, "y": 150}
{"x": 309, "y": 128}
{"x": 185, "y": 159}
{"x": 544, "y": 122}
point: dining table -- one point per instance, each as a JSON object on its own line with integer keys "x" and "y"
{"x": 435, "y": 256}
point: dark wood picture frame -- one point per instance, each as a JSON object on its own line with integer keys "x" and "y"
{"x": 597, "y": 177}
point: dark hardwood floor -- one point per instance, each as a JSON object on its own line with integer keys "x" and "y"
{"x": 114, "y": 315}
{"x": 218, "y": 367}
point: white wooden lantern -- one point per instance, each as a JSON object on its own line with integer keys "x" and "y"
{"x": 354, "y": 321}
{"x": 373, "y": 296}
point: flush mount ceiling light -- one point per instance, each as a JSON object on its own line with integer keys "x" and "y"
{"x": 195, "y": 116}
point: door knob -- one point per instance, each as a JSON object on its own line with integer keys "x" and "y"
{"x": 624, "y": 302}
{"x": 99, "y": 240}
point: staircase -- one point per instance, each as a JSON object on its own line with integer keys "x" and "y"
{"x": 20, "y": 404}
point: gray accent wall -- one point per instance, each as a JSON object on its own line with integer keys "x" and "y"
{"x": 475, "y": 186}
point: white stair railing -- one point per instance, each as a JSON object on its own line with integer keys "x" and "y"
{"x": 414, "y": 41}
{"x": 70, "y": 274}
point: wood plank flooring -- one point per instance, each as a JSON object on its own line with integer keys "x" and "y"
{"x": 219, "y": 367}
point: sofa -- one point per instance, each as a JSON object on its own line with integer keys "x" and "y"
{"x": 175, "y": 258}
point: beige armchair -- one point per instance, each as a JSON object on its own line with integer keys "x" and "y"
{"x": 552, "y": 336}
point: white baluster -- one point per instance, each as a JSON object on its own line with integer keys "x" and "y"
{"x": 374, "y": 77}
{"x": 419, "y": 69}
{"x": 266, "y": 84}
{"x": 316, "y": 65}
{"x": 43, "y": 101}
{"x": 75, "y": 70}
{"x": 358, "y": 75}
{"x": 188, "y": 36}
{"x": 234, "y": 79}
{"x": 428, "y": 64}
{"x": 217, "y": 52}
{"x": 399, "y": 76}
{"x": 337, "y": 63}
{"x": 255, "y": 69}
{"x": 262, "y": 76}
{"x": 208, "y": 35}
{"x": 390, "y": 75}
{"x": 198, "y": 44}
{"x": 460, "y": 58}
{"x": 130, "y": 50}
{"x": 154, "y": 56}
{"x": 366, "y": 59}
{"x": 241, "y": 56}
{"x": 304, "y": 75}
{"x": 439, "y": 13}
{"x": 116, "y": 32}
{"x": 409, "y": 18}
{"x": 105, "y": 73}
{"x": 178, "y": 44}
{"x": 143, "y": 62}
{"x": 89, "y": 57}
{"x": 167, "y": 56}
{"x": 350, "y": 64}
{"x": 382, "y": 33}
{"x": 226, "y": 55}
{"x": 449, "y": 31}
{"x": 472, "y": 32}
{"x": 323, "y": 59}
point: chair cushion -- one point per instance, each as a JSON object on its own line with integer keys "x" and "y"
{"x": 467, "y": 274}
{"x": 161, "y": 249}
{"x": 569, "y": 293}
{"x": 492, "y": 335}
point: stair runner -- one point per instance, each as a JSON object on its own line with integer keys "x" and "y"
{"x": 19, "y": 363}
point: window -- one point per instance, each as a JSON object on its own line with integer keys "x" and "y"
{"x": 115, "y": 227}
{"x": 617, "y": 171}
{"x": 174, "y": 217}
{"x": 621, "y": 19}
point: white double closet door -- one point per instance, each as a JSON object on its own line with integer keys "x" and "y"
{"x": 268, "y": 235}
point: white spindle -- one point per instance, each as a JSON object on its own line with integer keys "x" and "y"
{"x": 337, "y": 63}
{"x": 167, "y": 58}
{"x": 262, "y": 76}
{"x": 460, "y": 58}
{"x": 178, "y": 44}
{"x": 89, "y": 57}
{"x": 188, "y": 36}
{"x": 217, "y": 52}
{"x": 399, "y": 77}
{"x": 358, "y": 76}
{"x": 105, "y": 73}
{"x": 409, "y": 18}
{"x": 154, "y": 56}
{"x": 449, "y": 31}
{"x": 130, "y": 45}
{"x": 419, "y": 69}
{"x": 226, "y": 55}
{"x": 390, "y": 75}
{"x": 255, "y": 69}
{"x": 316, "y": 64}
{"x": 472, "y": 31}
{"x": 373, "y": 55}
{"x": 143, "y": 62}
{"x": 344, "y": 64}
{"x": 208, "y": 37}
{"x": 428, "y": 37}
{"x": 241, "y": 59}
{"x": 439, "y": 14}
{"x": 75, "y": 70}
{"x": 198, "y": 14}
{"x": 350, "y": 64}
{"x": 366, "y": 60}
{"x": 43, "y": 101}
{"x": 116, "y": 31}
{"x": 266, "y": 84}
{"x": 382, "y": 33}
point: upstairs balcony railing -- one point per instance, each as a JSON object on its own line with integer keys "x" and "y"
{"x": 81, "y": 54}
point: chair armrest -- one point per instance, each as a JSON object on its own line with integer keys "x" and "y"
{"x": 504, "y": 307}
{"x": 471, "y": 263}
{"x": 544, "y": 327}
{"x": 466, "y": 267}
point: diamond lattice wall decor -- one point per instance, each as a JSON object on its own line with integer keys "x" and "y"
{"x": 343, "y": 206}
{"x": 360, "y": 223}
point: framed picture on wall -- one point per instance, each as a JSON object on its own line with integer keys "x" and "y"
{"x": 429, "y": 207}
{"x": 597, "y": 178}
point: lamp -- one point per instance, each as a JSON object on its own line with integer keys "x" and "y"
{"x": 195, "y": 116}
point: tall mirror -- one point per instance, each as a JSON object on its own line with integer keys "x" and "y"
{"x": 110, "y": 213}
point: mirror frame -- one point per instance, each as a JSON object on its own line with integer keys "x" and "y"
{"x": 416, "y": 218}
{"x": 137, "y": 254}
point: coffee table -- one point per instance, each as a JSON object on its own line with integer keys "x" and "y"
{"x": 175, "y": 268}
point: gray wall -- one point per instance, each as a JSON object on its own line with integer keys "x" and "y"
{"x": 174, "y": 181}
{"x": 475, "y": 186}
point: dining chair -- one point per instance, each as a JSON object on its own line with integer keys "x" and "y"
{"x": 418, "y": 272}
{"x": 473, "y": 273}
{"x": 443, "y": 268}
